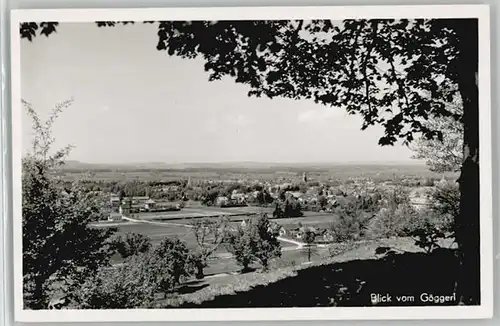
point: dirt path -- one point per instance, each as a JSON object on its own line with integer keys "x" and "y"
{"x": 299, "y": 245}
{"x": 156, "y": 223}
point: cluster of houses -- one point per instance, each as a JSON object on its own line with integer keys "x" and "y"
{"x": 323, "y": 235}
{"x": 310, "y": 196}
{"x": 236, "y": 198}
{"x": 129, "y": 205}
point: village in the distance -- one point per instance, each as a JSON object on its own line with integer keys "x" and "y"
{"x": 337, "y": 165}
{"x": 312, "y": 215}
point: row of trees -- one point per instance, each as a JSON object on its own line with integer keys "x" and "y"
{"x": 150, "y": 271}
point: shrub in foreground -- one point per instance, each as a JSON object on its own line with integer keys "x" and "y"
{"x": 438, "y": 221}
{"x": 209, "y": 234}
{"x": 52, "y": 214}
{"x": 132, "y": 244}
{"x": 135, "y": 283}
{"x": 257, "y": 241}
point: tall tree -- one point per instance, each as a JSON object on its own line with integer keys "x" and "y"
{"x": 59, "y": 246}
{"x": 309, "y": 236}
{"x": 393, "y": 73}
{"x": 445, "y": 155}
{"x": 132, "y": 244}
{"x": 209, "y": 234}
{"x": 267, "y": 246}
{"x": 257, "y": 240}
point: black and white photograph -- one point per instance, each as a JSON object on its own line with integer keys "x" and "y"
{"x": 228, "y": 160}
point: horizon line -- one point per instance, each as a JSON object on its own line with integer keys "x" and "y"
{"x": 411, "y": 162}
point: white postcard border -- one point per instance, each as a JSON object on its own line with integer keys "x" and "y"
{"x": 485, "y": 310}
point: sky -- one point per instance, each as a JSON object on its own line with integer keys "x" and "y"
{"x": 134, "y": 104}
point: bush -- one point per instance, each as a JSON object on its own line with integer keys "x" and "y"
{"x": 347, "y": 228}
{"x": 354, "y": 217}
{"x": 264, "y": 198}
{"x": 240, "y": 243}
{"x": 278, "y": 211}
{"x": 445, "y": 200}
{"x": 392, "y": 222}
{"x": 288, "y": 208}
{"x": 132, "y": 244}
{"x": 256, "y": 241}
{"x": 438, "y": 220}
{"x": 267, "y": 245}
{"x": 176, "y": 257}
{"x": 395, "y": 216}
{"x": 135, "y": 283}
{"x": 132, "y": 285}
{"x": 428, "y": 232}
{"x": 351, "y": 224}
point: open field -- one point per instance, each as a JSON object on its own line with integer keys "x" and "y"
{"x": 157, "y": 231}
{"x": 201, "y": 212}
{"x": 233, "y": 213}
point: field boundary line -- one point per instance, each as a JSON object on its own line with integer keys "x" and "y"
{"x": 156, "y": 223}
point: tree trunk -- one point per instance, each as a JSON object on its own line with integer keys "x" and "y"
{"x": 37, "y": 297}
{"x": 200, "y": 274}
{"x": 467, "y": 231}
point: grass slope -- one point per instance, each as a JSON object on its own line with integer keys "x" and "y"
{"x": 348, "y": 279}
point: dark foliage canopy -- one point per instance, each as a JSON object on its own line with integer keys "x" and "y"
{"x": 396, "y": 73}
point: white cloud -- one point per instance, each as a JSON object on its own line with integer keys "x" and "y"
{"x": 105, "y": 108}
{"x": 319, "y": 115}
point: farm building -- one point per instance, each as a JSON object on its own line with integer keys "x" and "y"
{"x": 138, "y": 199}
{"x": 238, "y": 197}
{"x": 221, "y": 200}
{"x": 149, "y": 204}
{"x": 114, "y": 202}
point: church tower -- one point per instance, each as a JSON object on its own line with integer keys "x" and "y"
{"x": 304, "y": 177}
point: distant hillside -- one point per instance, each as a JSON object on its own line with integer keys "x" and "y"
{"x": 240, "y": 166}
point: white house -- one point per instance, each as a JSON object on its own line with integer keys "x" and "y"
{"x": 150, "y": 204}
{"x": 221, "y": 200}
{"x": 115, "y": 202}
